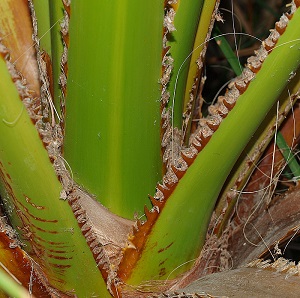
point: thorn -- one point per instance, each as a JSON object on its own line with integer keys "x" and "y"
{"x": 156, "y": 209}
{"x": 254, "y": 64}
{"x": 81, "y": 219}
{"x": 170, "y": 187}
{"x": 241, "y": 86}
{"x": 139, "y": 224}
{"x": 213, "y": 123}
{"x": 179, "y": 173}
{"x": 189, "y": 160}
{"x": 268, "y": 45}
{"x": 229, "y": 105}
{"x": 165, "y": 50}
{"x": 135, "y": 228}
{"x": 198, "y": 137}
{"x": 206, "y": 134}
{"x": 85, "y": 228}
{"x": 150, "y": 214}
{"x": 66, "y": 39}
{"x": 155, "y": 202}
{"x": 165, "y": 191}
{"x": 147, "y": 212}
{"x": 288, "y": 15}
{"x": 91, "y": 239}
{"x": 79, "y": 211}
{"x": 72, "y": 199}
{"x": 197, "y": 146}
{"x": 67, "y": 7}
{"x": 223, "y": 111}
{"x": 212, "y": 109}
{"x": 75, "y": 207}
{"x": 129, "y": 244}
{"x": 160, "y": 187}
{"x": 280, "y": 29}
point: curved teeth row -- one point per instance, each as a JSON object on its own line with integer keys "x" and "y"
{"x": 172, "y": 151}
{"x": 237, "y": 87}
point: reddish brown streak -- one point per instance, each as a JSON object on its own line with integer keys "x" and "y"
{"x": 59, "y": 266}
{"x": 163, "y": 249}
{"x": 58, "y": 257}
{"x": 28, "y": 200}
{"x": 34, "y": 217}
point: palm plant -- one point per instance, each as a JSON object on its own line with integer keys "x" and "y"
{"x": 94, "y": 131}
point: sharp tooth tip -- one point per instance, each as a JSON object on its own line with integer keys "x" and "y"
{"x": 129, "y": 244}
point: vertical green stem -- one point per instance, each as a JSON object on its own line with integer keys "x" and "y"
{"x": 112, "y": 105}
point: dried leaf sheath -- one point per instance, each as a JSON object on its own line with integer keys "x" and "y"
{"x": 19, "y": 40}
{"x": 259, "y": 278}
